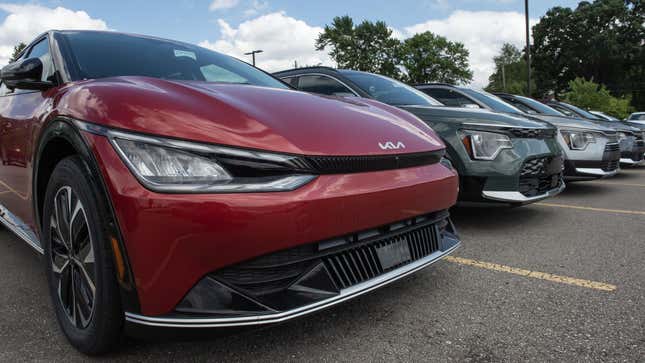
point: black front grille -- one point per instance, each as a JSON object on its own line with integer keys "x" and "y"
{"x": 357, "y": 164}
{"x": 609, "y": 165}
{"x": 612, "y": 147}
{"x": 360, "y": 264}
{"x": 350, "y": 259}
{"x": 532, "y": 133}
{"x": 539, "y": 175}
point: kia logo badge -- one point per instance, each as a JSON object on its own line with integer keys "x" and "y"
{"x": 389, "y": 145}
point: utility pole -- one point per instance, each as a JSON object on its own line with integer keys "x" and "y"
{"x": 504, "y": 76}
{"x": 253, "y": 53}
{"x": 528, "y": 48}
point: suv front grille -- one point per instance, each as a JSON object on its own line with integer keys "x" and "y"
{"x": 532, "y": 133}
{"x": 609, "y": 165}
{"x": 539, "y": 175}
{"x": 612, "y": 147}
{"x": 349, "y": 259}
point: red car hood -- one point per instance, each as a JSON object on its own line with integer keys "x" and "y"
{"x": 247, "y": 116}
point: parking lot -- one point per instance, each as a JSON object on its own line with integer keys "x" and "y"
{"x": 560, "y": 280}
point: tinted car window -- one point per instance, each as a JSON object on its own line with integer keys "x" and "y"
{"x": 293, "y": 81}
{"x": 564, "y": 110}
{"x": 389, "y": 91}
{"x": 105, "y": 54}
{"x": 534, "y": 105}
{"x": 492, "y": 101}
{"x": 323, "y": 85}
{"x": 581, "y": 112}
{"x": 637, "y": 117}
{"x": 448, "y": 97}
{"x": 41, "y": 51}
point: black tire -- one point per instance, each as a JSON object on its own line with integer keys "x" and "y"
{"x": 92, "y": 324}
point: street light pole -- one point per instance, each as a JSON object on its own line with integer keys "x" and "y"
{"x": 528, "y": 48}
{"x": 253, "y": 53}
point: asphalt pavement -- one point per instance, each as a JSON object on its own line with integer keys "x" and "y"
{"x": 562, "y": 280}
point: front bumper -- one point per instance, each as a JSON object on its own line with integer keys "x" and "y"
{"x": 173, "y": 240}
{"x": 316, "y": 289}
{"x": 636, "y": 156}
{"x": 531, "y": 171}
{"x": 517, "y": 197}
{"x": 590, "y": 169}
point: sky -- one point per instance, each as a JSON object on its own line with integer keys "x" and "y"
{"x": 284, "y": 29}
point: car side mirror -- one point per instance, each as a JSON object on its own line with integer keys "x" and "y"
{"x": 25, "y": 74}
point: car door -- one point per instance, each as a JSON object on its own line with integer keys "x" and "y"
{"x": 20, "y": 119}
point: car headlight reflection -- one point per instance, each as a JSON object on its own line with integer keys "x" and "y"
{"x": 174, "y": 166}
{"x": 483, "y": 145}
{"x": 578, "y": 140}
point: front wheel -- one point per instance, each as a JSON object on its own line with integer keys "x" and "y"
{"x": 79, "y": 265}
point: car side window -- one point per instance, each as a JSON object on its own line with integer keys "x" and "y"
{"x": 520, "y": 105}
{"x": 450, "y": 97}
{"x": 563, "y": 110}
{"x": 293, "y": 81}
{"x": 41, "y": 51}
{"x": 323, "y": 85}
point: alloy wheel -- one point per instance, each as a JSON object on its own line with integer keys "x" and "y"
{"x": 72, "y": 257}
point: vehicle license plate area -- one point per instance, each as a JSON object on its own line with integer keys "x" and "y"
{"x": 394, "y": 254}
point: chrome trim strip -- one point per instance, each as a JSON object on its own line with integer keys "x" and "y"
{"x": 346, "y": 294}
{"x": 19, "y": 229}
{"x": 517, "y": 197}
{"x": 629, "y": 161}
{"x": 596, "y": 171}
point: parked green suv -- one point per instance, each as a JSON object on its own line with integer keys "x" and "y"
{"x": 500, "y": 158}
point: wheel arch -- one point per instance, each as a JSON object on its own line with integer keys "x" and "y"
{"x": 59, "y": 139}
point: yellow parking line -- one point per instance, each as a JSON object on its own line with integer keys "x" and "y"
{"x": 620, "y": 211}
{"x": 622, "y": 184}
{"x": 534, "y": 274}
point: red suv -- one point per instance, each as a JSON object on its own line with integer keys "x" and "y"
{"x": 169, "y": 186}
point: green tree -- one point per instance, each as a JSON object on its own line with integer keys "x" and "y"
{"x": 510, "y": 71}
{"x": 16, "y": 51}
{"x": 427, "y": 57}
{"x": 368, "y": 46}
{"x": 592, "y": 96}
{"x": 600, "y": 40}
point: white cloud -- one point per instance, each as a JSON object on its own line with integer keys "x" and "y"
{"x": 24, "y": 22}
{"x": 282, "y": 38}
{"x": 482, "y": 32}
{"x": 222, "y": 4}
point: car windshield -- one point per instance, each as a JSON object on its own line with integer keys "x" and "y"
{"x": 539, "y": 106}
{"x": 106, "y": 54}
{"x": 490, "y": 100}
{"x": 582, "y": 112}
{"x": 637, "y": 116}
{"x": 389, "y": 91}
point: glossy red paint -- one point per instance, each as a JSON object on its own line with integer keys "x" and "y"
{"x": 173, "y": 240}
{"x": 246, "y": 116}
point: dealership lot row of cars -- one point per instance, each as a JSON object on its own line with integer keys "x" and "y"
{"x": 174, "y": 188}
